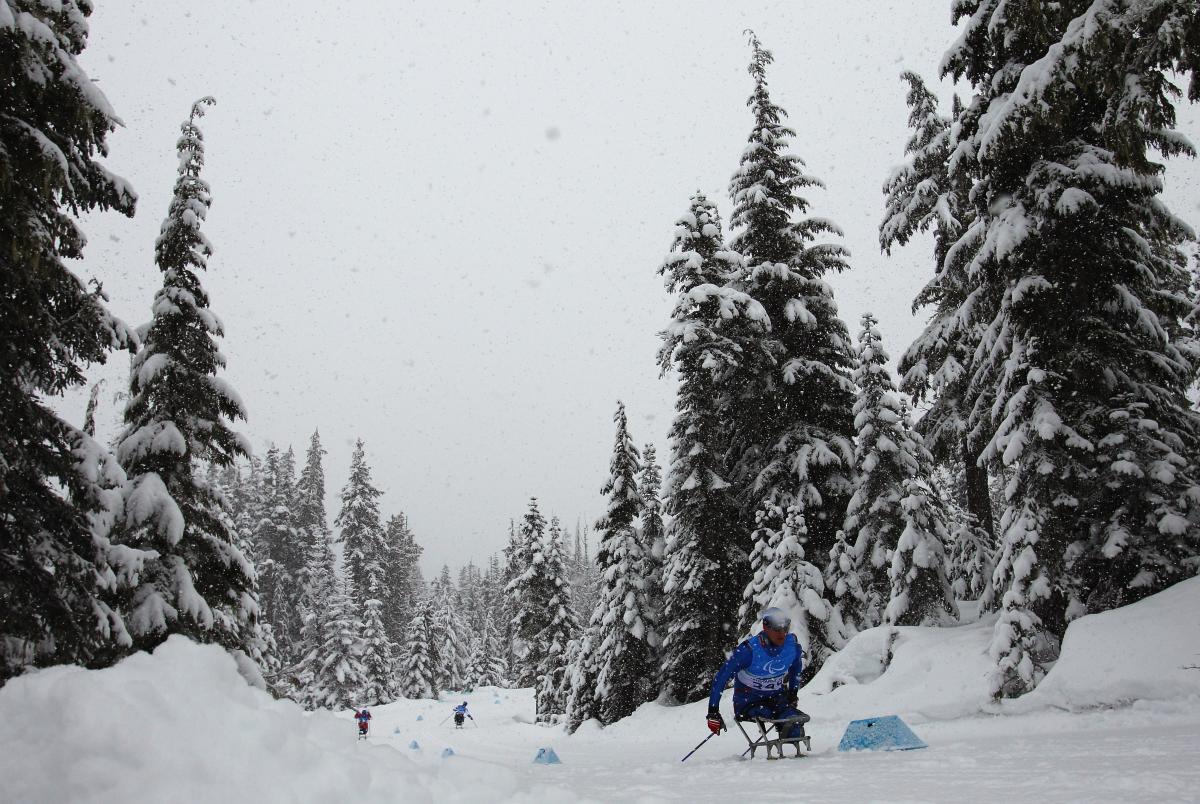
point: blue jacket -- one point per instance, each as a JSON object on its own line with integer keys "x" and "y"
{"x": 763, "y": 671}
{"x": 461, "y": 709}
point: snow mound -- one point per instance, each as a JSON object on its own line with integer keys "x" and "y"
{"x": 915, "y": 672}
{"x": 1146, "y": 651}
{"x": 1149, "y": 650}
{"x": 182, "y": 725}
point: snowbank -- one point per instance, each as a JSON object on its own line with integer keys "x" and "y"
{"x": 932, "y": 674}
{"x": 182, "y": 725}
{"x": 1149, "y": 650}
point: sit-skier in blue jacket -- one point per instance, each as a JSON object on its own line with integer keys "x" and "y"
{"x": 459, "y": 713}
{"x": 767, "y": 669}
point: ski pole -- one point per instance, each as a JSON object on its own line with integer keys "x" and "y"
{"x": 697, "y": 748}
{"x": 447, "y": 717}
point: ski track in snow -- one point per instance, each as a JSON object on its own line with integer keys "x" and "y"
{"x": 1138, "y": 753}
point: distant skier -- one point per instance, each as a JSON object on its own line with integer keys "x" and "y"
{"x": 364, "y": 721}
{"x": 461, "y": 712}
{"x": 768, "y": 667}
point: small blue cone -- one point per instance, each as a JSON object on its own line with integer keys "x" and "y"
{"x": 880, "y": 734}
{"x": 396, "y": 730}
{"x": 546, "y": 756}
{"x": 414, "y": 745}
{"x": 448, "y": 752}
{"x": 420, "y": 717}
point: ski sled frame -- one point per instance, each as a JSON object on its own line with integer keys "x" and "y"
{"x": 778, "y": 741}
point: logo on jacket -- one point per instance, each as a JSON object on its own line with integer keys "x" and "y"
{"x": 775, "y": 667}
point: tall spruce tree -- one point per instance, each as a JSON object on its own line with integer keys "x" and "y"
{"x": 450, "y": 631}
{"x": 653, "y": 535}
{"x": 314, "y": 538}
{"x": 403, "y": 576}
{"x": 320, "y": 587}
{"x": 59, "y": 489}
{"x": 625, "y": 657}
{"x": 177, "y": 420}
{"x": 359, "y": 527}
{"x": 1073, "y": 273}
{"x": 280, "y": 552}
{"x": 418, "y": 674}
{"x": 703, "y": 344}
{"x": 922, "y": 196}
{"x": 310, "y": 519}
{"x": 887, "y": 453}
{"x": 528, "y": 593}
{"x": 791, "y": 398}
{"x": 339, "y": 678}
{"x": 488, "y": 668}
{"x": 378, "y": 656}
{"x": 562, "y": 626}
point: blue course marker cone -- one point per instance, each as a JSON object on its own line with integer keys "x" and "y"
{"x": 396, "y": 730}
{"x": 414, "y": 745}
{"x": 448, "y": 752}
{"x": 888, "y": 733}
{"x": 420, "y": 717}
{"x": 546, "y": 756}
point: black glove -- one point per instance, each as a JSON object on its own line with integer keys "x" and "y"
{"x": 792, "y": 697}
{"x": 716, "y": 724}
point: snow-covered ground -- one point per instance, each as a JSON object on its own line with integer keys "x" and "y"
{"x": 1117, "y": 719}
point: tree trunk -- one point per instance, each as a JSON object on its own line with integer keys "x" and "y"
{"x": 979, "y": 503}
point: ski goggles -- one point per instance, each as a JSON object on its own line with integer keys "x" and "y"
{"x": 776, "y": 622}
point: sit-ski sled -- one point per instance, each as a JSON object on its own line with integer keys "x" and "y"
{"x": 775, "y": 743}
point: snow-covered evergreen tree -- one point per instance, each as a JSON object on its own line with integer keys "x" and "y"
{"x": 702, "y": 344}
{"x": 403, "y": 575}
{"x": 451, "y": 633}
{"x": 377, "y": 657}
{"x": 921, "y": 593}
{"x": 418, "y": 676}
{"x": 787, "y": 580}
{"x": 1073, "y": 273}
{"x": 359, "y": 527}
{"x": 320, "y": 586}
{"x": 562, "y": 624}
{"x": 1021, "y": 644}
{"x": 310, "y": 519}
{"x": 522, "y": 592}
{"x": 792, "y": 396}
{"x": 971, "y": 560}
{"x": 886, "y": 454}
{"x": 584, "y": 574}
{"x": 59, "y": 489}
{"x": 280, "y": 552}
{"x": 177, "y": 421}
{"x": 921, "y": 196}
{"x": 488, "y": 668}
{"x": 843, "y": 581}
{"x": 625, "y": 655}
{"x": 340, "y": 678}
{"x": 653, "y": 532}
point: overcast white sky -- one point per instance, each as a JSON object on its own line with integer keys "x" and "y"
{"x": 438, "y": 224}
